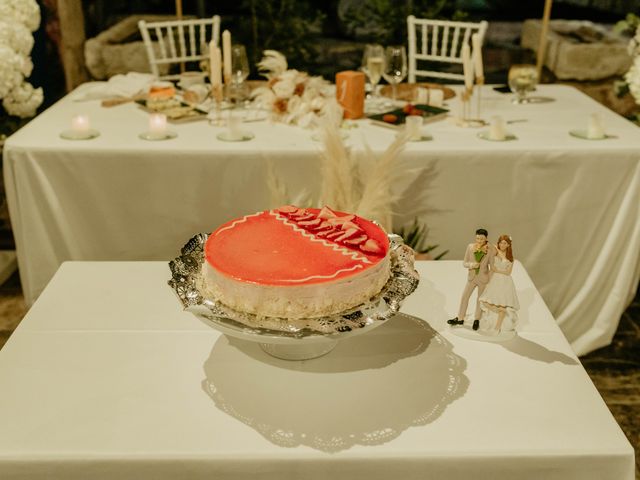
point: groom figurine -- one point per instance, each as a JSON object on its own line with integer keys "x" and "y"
{"x": 476, "y": 261}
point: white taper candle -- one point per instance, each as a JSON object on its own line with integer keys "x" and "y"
{"x": 226, "y": 54}
{"x": 477, "y": 55}
{"x": 467, "y": 66}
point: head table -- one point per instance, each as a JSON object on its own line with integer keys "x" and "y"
{"x": 571, "y": 205}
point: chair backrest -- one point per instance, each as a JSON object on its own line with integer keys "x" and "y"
{"x": 179, "y": 41}
{"x": 439, "y": 41}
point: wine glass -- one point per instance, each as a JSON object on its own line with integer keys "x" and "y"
{"x": 372, "y": 65}
{"x": 523, "y": 79}
{"x": 238, "y": 90}
{"x": 395, "y": 66}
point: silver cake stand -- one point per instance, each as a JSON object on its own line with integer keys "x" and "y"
{"x": 292, "y": 339}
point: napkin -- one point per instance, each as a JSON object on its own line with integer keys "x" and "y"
{"x": 117, "y": 86}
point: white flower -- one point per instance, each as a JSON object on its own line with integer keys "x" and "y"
{"x": 634, "y": 44}
{"x": 272, "y": 64}
{"x": 293, "y": 105}
{"x": 292, "y": 96}
{"x": 263, "y": 97}
{"x": 317, "y": 104}
{"x": 23, "y": 101}
{"x": 307, "y": 120}
{"x": 16, "y": 36}
{"x": 26, "y": 66}
{"x": 17, "y": 19}
{"x": 24, "y": 12}
{"x": 632, "y": 77}
{"x": 11, "y": 65}
{"x": 284, "y": 88}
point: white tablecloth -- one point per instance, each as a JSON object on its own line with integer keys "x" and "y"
{"x": 572, "y": 206}
{"x": 106, "y": 377}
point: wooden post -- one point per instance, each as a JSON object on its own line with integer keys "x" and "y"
{"x": 72, "y": 39}
{"x": 179, "y": 15}
{"x": 542, "y": 46}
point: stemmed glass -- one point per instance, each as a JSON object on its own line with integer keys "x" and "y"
{"x": 395, "y": 67}
{"x": 238, "y": 89}
{"x": 523, "y": 79}
{"x": 372, "y": 65}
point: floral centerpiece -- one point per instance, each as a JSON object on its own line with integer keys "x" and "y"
{"x": 18, "y": 18}
{"x": 291, "y": 96}
{"x": 631, "y": 83}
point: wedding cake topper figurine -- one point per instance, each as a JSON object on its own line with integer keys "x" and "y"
{"x": 476, "y": 261}
{"x": 498, "y": 301}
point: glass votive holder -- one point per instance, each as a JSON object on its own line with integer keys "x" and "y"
{"x": 413, "y": 126}
{"x": 234, "y": 131}
{"x": 80, "y": 129}
{"x": 157, "y": 128}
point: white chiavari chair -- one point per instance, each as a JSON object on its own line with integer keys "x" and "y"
{"x": 439, "y": 41}
{"x": 178, "y": 41}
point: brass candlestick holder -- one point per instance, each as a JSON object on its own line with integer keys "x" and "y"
{"x": 467, "y": 121}
{"x": 216, "y": 94}
{"x": 480, "y": 83}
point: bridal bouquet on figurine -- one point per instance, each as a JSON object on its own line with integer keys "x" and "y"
{"x": 291, "y": 96}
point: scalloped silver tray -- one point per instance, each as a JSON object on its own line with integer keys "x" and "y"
{"x": 292, "y": 339}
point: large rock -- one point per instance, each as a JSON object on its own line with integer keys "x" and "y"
{"x": 119, "y": 49}
{"x": 579, "y": 50}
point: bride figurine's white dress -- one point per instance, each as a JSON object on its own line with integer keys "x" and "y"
{"x": 499, "y": 292}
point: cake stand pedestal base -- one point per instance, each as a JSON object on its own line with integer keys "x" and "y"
{"x": 303, "y": 351}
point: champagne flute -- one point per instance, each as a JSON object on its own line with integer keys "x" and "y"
{"x": 523, "y": 78}
{"x": 372, "y": 65}
{"x": 238, "y": 90}
{"x": 395, "y": 66}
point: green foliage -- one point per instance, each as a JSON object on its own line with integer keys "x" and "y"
{"x": 10, "y": 124}
{"x": 415, "y": 236}
{"x": 283, "y": 25}
{"x": 628, "y": 25}
{"x": 387, "y": 19}
{"x": 621, "y": 88}
{"x": 635, "y": 118}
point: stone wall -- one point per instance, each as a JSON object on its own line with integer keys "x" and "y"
{"x": 579, "y": 50}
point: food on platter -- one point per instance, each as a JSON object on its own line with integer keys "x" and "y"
{"x": 390, "y": 118}
{"x": 407, "y": 91}
{"x": 398, "y": 116}
{"x": 162, "y": 90}
{"x": 295, "y": 262}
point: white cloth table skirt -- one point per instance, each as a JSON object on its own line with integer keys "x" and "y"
{"x": 572, "y": 206}
{"x": 107, "y": 377}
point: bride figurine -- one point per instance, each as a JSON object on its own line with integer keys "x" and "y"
{"x": 499, "y": 302}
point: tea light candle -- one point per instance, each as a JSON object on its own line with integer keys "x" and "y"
{"x": 497, "y": 130}
{"x": 436, "y": 97}
{"x": 80, "y": 124}
{"x": 595, "y": 130}
{"x": 158, "y": 123}
{"x": 413, "y": 123}
{"x": 233, "y": 123}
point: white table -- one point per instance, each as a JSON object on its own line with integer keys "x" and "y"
{"x": 571, "y": 205}
{"x": 106, "y": 377}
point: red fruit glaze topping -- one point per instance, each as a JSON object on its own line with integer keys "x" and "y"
{"x": 343, "y": 230}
